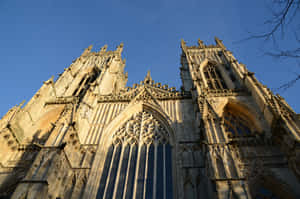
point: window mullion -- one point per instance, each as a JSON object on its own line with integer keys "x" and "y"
{"x": 219, "y": 83}
{"x": 214, "y": 78}
{"x": 164, "y": 170}
{"x": 132, "y": 170}
{"x": 127, "y": 172}
{"x": 146, "y": 171}
{"x": 118, "y": 172}
{"x": 217, "y": 80}
{"x": 120, "y": 184}
{"x": 211, "y": 79}
{"x": 155, "y": 169}
{"x": 109, "y": 173}
{"x": 137, "y": 170}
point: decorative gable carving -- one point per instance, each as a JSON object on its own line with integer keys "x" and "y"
{"x": 149, "y": 89}
{"x": 146, "y": 96}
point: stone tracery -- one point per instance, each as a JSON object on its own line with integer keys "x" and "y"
{"x": 213, "y": 77}
{"x": 236, "y": 124}
{"x": 140, "y": 148}
{"x": 143, "y": 128}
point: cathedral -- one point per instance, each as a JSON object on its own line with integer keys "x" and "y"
{"x": 222, "y": 135}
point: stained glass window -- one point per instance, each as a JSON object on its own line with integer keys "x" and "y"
{"x": 160, "y": 173}
{"x": 113, "y": 172}
{"x": 169, "y": 188}
{"x": 236, "y": 124}
{"x": 142, "y": 156}
{"x": 131, "y": 174}
{"x": 105, "y": 172}
{"x": 123, "y": 172}
{"x": 141, "y": 173}
{"x": 150, "y": 173}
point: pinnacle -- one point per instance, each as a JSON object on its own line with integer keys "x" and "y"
{"x": 148, "y": 78}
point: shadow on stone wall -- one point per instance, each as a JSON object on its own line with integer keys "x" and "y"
{"x": 16, "y": 169}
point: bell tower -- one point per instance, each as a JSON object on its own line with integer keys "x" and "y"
{"x": 237, "y": 118}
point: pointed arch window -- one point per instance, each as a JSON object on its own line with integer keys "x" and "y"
{"x": 213, "y": 77}
{"x": 138, "y": 163}
{"x": 236, "y": 123}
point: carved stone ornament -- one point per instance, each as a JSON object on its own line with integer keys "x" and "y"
{"x": 142, "y": 127}
{"x": 158, "y": 91}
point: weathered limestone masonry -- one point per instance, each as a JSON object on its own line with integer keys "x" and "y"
{"x": 224, "y": 135}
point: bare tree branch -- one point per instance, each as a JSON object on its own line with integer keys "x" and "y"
{"x": 284, "y": 12}
{"x": 279, "y": 19}
{"x": 289, "y": 84}
{"x": 295, "y": 53}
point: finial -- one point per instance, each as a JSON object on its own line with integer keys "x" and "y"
{"x": 90, "y": 48}
{"x": 87, "y": 50}
{"x": 148, "y": 78}
{"x": 22, "y": 103}
{"x": 49, "y": 81}
{"x": 120, "y": 48}
{"x": 183, "y": 44}
{"x": 200, "y": 43}
{"x": 220, "y": 43}
{"x": 148, "y": 74}
{"x": 103, "y": 49}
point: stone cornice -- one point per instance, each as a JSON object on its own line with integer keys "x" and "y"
{"x": 62, "y": 100}
{"x": 224, "y": 92}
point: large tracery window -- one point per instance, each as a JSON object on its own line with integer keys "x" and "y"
{"x": 138, "y": 163}
{"x": 236, "y": 123}
{"x": 213, "y": 77}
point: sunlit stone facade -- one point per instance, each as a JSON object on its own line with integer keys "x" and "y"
{"x": 222, "y": 135}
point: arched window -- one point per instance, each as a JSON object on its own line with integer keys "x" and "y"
{"x": 138, "y": 163}
{"x": 236, "y": 123}
{"x": 213, "y": 77}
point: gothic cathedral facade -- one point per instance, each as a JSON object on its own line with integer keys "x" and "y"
{"x": 222, "y": 135}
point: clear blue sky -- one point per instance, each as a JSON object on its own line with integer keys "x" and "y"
{"x": 40, "y": 38}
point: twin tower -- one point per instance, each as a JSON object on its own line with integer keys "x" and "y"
{"x": 223, "y": 135}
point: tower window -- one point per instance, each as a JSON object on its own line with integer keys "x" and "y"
{"x": 214, "y": 78}
{"x": 236, "y": 124}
